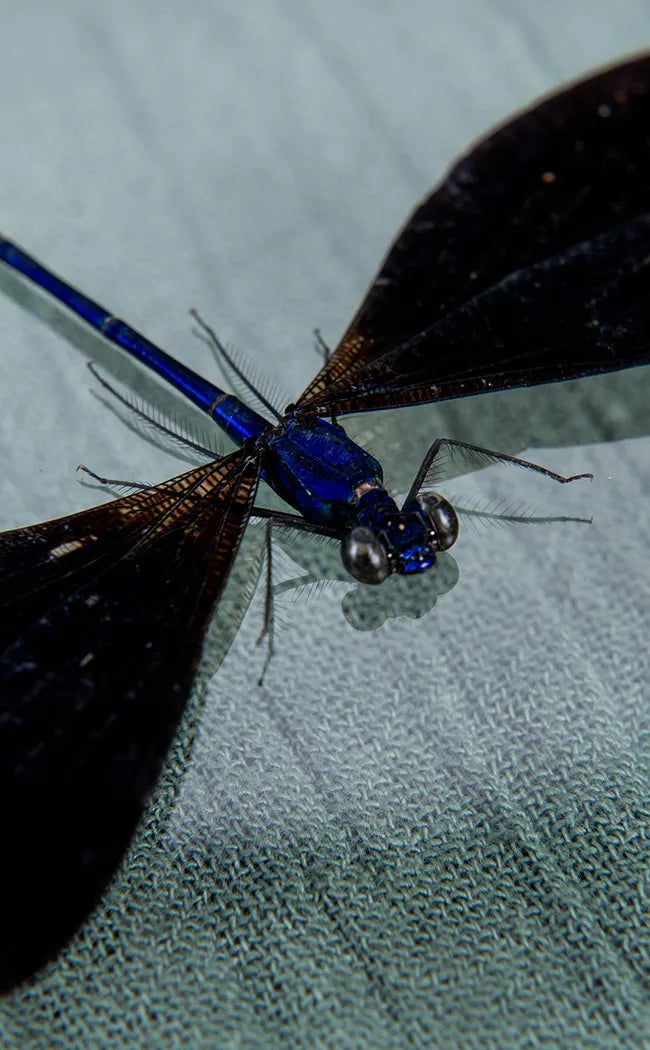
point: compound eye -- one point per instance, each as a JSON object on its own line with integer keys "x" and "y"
{"x": 443, "y": 519}
{"x": 364, "y": 556}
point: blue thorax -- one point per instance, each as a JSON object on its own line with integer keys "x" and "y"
{"x": 318, "y": 469}
{"x": 312, "y": 464}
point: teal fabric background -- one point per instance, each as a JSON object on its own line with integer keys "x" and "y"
{"x": 429, "y": 834}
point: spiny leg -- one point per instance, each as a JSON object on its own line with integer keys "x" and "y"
{"x": 221, "y": 351}
{"x": 519, "y": 517}
{"x": 147, "y": 418}
{"x": 485, "y": 453}
{"x": 268, "y": 621}
{"x": 135, "y": 485}
{"x": 321, "y": 346}
{"x": 283, "y": 520}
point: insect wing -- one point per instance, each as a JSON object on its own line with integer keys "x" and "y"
{"x": 102, "y": 619}
{"x": 528, "y": 264}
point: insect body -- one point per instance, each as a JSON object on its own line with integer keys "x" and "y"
{"x": 529, "y": 264}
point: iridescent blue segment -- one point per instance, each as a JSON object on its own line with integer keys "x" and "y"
{"x": 103, "y": 613}
{"x": 236, "y": 419}
{"x": 312, "y": 465}
{"x": 317, "y": 469}
{"x": 406, "y": 534}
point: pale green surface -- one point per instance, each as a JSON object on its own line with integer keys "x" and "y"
{"x": 430, "y": 835}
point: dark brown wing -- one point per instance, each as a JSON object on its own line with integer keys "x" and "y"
{"x": 102, "y": 617}
{"x": 529, "y": 264}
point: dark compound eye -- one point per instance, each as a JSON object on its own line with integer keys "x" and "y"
{"x": 443, "y": 519}
{"x": 365, "y": 558}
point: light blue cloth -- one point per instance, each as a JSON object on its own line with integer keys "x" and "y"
{"x": 434, "y": 834}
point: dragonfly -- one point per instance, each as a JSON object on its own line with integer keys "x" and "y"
{"x": 529, "y": 263}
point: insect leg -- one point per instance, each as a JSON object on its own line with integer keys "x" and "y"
{"x": 224, "y": 356}
{"x": 135, "y": 485}
{"x": 279, "y": 519}
{"x": 146, "y": 418}
{"x": 486, "y": 454}
{"x": 321, "y": 346}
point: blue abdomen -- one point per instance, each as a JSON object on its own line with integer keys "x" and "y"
{"x": 317, "y": 469}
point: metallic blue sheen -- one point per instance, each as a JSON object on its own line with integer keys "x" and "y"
{"x": 317, "y": 468}
{"x": 406, "y": 533}
{"x": 312, "y": 464}
{"x": 235, "y": 418}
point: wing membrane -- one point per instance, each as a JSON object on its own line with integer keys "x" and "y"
{"x": 512, "y": 223}
{"x": 102, "y": 616}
